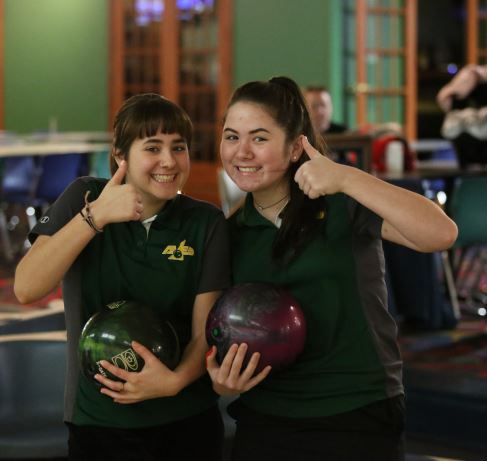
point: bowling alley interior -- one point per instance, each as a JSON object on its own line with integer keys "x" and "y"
{"x": 66, "y": 66}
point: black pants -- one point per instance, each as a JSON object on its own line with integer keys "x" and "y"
{"x": 198, "y": 437}
{"x": 370, "y": 433}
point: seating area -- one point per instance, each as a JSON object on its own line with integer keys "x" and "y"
{"x": 33, "y": 357}
{"x": 31, "y": 183}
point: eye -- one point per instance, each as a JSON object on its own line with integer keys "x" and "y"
{"x": 260, "y": 139}
{"x": 231, "y": 137}
{"x": 180, "y": 148}
{"x": 153, "y": 149}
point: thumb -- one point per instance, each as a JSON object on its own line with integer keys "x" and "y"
{"x": 309, "y": 149}
{"x": 118, "y": 176}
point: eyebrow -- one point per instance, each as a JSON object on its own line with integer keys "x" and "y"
{"x": 158, "y": 141}
{"x": 251, "y": 131}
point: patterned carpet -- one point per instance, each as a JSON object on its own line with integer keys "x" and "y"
{"x": 8, "y": 301}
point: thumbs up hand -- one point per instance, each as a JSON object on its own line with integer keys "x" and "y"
{"x": 118, "y": 202}
{"x": 319, "y": 175}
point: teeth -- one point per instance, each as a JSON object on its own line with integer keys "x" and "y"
{"x": 248, "y": 169}
{"x": 163, "y": 177}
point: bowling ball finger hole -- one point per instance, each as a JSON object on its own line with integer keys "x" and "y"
{"x": 216, "y": 333}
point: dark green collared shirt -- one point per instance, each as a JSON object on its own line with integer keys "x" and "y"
{"x": 184, "y": 253}
{"x": 351, "y": 357}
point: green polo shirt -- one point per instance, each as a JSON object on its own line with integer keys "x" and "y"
{"x": 184, "y": 253}
{"x": 351, "y": 357}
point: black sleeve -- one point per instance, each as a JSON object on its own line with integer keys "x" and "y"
{"x": 215, "y": 274}
{"x": 364, "y": 221}
{"x": 68, "y": 204}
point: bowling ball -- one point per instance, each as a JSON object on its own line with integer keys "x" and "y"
{"x": 108, "y": 335}
{"x": 268, "y": 319}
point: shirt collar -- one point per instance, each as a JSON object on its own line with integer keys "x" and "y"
{"x": 170, "y": 216}
{"x": 249, "y": 216}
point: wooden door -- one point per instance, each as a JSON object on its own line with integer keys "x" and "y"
{"x": 380, "y": 63}
{"x": 476, "y": 31}
{"x": 180, "y": 49}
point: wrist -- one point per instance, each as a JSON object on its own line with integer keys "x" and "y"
{"x": 348, "y": 175}
{"x": 173, "y": 385}
{"x": 87, "y": 215}
{"x": 96, "y": 216}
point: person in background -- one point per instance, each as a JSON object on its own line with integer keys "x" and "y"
{"x": 135, "y": 237}
{"x": 320, "y": 107}
{"x": 461, "y": 85}
{"x": 314, "y": 228}
{"x": 464, "y": 101}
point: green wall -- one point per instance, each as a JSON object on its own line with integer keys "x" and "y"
{"x": 300, "y": 39}
{"x": 56, "y": 64}
{"x": 56, "y": 55}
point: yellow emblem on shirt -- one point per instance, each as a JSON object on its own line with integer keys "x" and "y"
{"x": 178, "y": 253}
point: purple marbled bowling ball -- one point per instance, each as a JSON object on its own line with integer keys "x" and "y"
{"x": 268, "y": 319}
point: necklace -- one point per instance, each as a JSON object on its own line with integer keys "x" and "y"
{"x": 262, "y": 208}
{"x": 278, "y": 218}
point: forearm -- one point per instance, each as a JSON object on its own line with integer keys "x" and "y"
{"x": 46, "y": 263}
{"x": 462, "y": 84}
{"x": 421, "y": 223}
{"x": 192, "y": 364}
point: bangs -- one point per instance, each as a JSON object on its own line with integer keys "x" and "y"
{"x": 154, "y": 120}
{"x": 145, "y": 117}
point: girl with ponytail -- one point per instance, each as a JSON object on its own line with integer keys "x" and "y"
{"x": 315, "y": 228}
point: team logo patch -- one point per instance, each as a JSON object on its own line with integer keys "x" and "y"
{"x": 116, "y": 304}
{"x": 177, "y": 253}
{"x": 44, "y": 219}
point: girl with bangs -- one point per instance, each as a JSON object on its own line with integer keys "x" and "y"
{"x": 136, "y": 237}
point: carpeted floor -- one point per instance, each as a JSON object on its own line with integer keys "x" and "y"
{"x": 445, "y": 375}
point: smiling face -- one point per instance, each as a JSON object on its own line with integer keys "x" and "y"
{"x": 158, "y": 167}
{"x": 254, "y": 150}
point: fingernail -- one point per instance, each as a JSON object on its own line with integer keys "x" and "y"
{"x": 209, "y": 352}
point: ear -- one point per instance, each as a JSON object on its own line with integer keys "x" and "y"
{"x": 296, "y": 149}
{"x": 117, "y": 156}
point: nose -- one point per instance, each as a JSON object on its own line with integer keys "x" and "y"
{"x": 244, "y": 150}
{"x": 166, "y": 159}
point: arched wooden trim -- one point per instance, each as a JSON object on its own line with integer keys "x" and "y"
{"x": 169, "y": 60}
{"x": 472, "y": 31}
{"x": 408, "y": 52}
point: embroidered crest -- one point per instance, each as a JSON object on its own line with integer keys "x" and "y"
{"x": 177, "y": 253}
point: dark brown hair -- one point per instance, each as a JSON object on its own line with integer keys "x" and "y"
{"x": 282, "y": 99}
{"x": 142, "y": 116}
